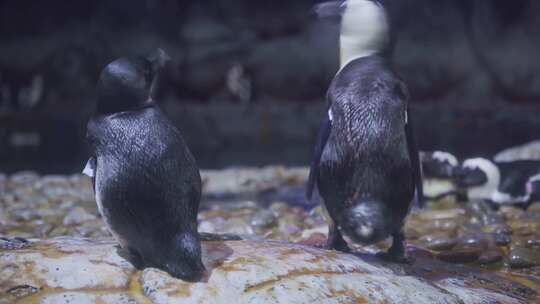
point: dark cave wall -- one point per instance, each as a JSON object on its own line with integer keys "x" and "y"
{"x": 471, "y": 67}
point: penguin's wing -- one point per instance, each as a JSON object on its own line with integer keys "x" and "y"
{"x": 90, "y": 170}
{"x": 322, "y": 137}
{"x": 415, "y": 159}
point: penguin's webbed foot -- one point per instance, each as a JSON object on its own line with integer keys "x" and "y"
{"x": 396, "y": 253}
{"x": 131, "y": 256}
{"x": 335, "y": 241}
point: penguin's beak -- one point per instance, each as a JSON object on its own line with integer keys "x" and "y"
{"x": 330, "y": 9}
{"x": 158, "y": 59}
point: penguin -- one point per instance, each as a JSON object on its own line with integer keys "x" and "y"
{"x": 527, "y": 151}
{"x": 497, "y": 182}
{"x": 146, "y": 181}
{"x": 365, "y": 164}
{"x": 533, "y": 189}
{"x": 437, "y": 172}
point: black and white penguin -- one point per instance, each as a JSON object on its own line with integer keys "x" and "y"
{"x": 498, "y": 182}
{"x": 365, "y": 164}
{"x": 533, "y": 189}
{"x": 437, "y": 171}
{"x": 146, "y": 181}
{"x": 526, "y": 151}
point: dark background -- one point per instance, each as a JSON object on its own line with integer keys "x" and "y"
{"x": 249, "y": 77}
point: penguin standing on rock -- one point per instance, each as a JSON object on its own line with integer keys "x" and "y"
{"x": 146, "y": 181}
{"x": 365, "y": 165}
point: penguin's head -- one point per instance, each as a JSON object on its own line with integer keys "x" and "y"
{"x": 364, "y": 30}
{"x": 126, "y": 83}
{"x": 365, "y": 222}
{"x": 480, "y": 178}
{"x": 184, "y": 259}
{"x": 438, "y": 164}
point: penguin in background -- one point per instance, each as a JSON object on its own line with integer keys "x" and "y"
{"x": 438, "y": 168}
{"x": 146, "y": 181}
{"x": 500, "y": 183}
{"x": 365, "y": 165}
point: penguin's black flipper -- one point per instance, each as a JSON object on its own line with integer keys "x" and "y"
{"x": 415, "y": 160}
{"x": 90, "y": 170}
{"x": 322, "y": 137}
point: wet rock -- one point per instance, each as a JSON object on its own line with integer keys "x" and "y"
{"x": 510, "y": 212}
{"x": 263, "y": 218}
{"x": 520, "y": 257}
{"x": 237, "y": 226}
{"x": 78, "y": 270}
{"x": 43, "y": 230}
{"x": 25, "y": 214}
{"x": 490, "y": 257}
{"x": 24, "y": 178}
{"x": 77, "y": 216}
{"x": 460, "y": 255}
{"x": 502, "y": 239}
{"x": 7, "y": 243}
{"x": 21, "y": 291}
{"x": 498, "y": 229}
{"x": 441, "y": 214}
{"x": 438, "y": 242}
{"x": 534, "y": 208}
{"x": 476, "y": 240}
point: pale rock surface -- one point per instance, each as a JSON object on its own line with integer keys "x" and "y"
{"x": 79, "y": 270}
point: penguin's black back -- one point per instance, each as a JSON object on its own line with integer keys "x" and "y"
{"x": 147, "y": 178}
{"x": 366, "y": 155}
{"x": 514, "y": 175}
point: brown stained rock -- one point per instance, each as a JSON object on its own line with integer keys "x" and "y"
{"x": 79, "y": 270}
{"x": 460, "y": 255}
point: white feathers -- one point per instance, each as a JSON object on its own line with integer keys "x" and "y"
{"x": 435, "y": 188}
{"x": 487, "y": 190}
{"x": 505, "y": 198}
{"x": 364, "y": 30}
{"x": 89, "y": 170}
{"x": 528, "y": 151}
{"x": 330, "y": 116}
{"x": 534, "y": 178}
{"x": 365, "y": 231}
{"x": 406, "y": 117}
{"x": 445, "y": 157}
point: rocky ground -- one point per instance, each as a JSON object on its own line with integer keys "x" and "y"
{"x": 463, "y": 252}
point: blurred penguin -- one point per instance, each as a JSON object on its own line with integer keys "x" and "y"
{"x": 498, "y": 182}
{"x": 366, "y": 164}
{"x": 437, "y": 171}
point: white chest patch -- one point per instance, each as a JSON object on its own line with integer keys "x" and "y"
{"x": 493, "y": 174}
{"x": 330, "y": 116}
{"x": 364, "y": 30}
{"x": 89, "y": 170}
{"x": 438, "y": 187}
{"x": 103, "y": 211}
